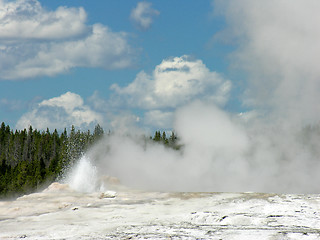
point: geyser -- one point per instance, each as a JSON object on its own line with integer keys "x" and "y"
{"x": 83, "y": 176}
{"x": 221, "y": 152}
{"x": 272, "y": 148}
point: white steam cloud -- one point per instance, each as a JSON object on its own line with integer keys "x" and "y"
{"x": 278, "y": 47}
{"x": 221, "y": 152}
{"x": 273, "y": 148}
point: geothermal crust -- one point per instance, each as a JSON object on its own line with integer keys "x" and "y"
{"x": 62, "y": 213}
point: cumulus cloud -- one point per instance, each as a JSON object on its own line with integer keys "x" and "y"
{"x": 173, "y": 83}
{"x": 60, "y": 112}
{"x": 279, "y": 49}
{"x": 142, "y": 15}
{"x": 36, "y": 42}
{"x": 159, "y": 119}
{"x": 26, "y": 19}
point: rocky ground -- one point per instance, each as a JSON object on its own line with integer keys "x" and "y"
{"x": 60, "y": 213}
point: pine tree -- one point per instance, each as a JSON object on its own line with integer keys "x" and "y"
{"x": 98, "y": 132}
{"x": 157, "y": 136}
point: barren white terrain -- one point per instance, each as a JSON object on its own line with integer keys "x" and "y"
{"x": 61, "y": 213}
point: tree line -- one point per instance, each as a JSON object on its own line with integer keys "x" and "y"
{"x": 167, "y": 141}
{"x": 31, "y": 158}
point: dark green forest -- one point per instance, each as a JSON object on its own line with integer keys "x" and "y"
{"x": 31, "y": 159}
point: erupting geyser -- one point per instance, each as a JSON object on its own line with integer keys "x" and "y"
{"x": 83, "y": 177}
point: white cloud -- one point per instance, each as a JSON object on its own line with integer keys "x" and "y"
{"x": 125, "y": 123}
{"x": 60, "y": 112}
{"x": 68, "y": 101}
{"x": 159, "y": 119}
{"x": 175, "y": 82}
{"x": 35, "y": 42}
{"x": 143, "y": 14}
{"x": 279, "y": 46}
{"x": 26, "y": 19}
{"x": 98, "y": 103}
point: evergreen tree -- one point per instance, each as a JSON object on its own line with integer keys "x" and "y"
{"x": 164, "y": 138}
{"x": 157, "y": 136}
{"x": 30, "y": 158}
{"x": 98, "y": 132}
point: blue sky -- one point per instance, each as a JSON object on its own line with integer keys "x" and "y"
{"x": 123, "y": 63}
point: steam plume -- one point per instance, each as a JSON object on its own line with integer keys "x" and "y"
{"x": 274, "y": 147}
{"x": 222, "y": 152}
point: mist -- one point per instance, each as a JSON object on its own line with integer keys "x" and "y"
{"x": 273, "y": 147}
{"x": 221, "y": 152}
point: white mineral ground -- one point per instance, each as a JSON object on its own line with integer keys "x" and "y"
{"x": 61, "y": 213}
